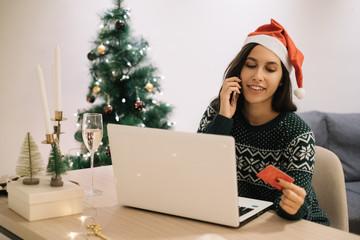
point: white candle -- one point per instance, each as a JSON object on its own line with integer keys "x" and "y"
{"x": 57, "y": 82}
{"x": 44, "y": 103}
{"x": 53, "y": 83}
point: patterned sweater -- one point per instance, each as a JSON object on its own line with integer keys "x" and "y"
{"x": 286, "y": 142}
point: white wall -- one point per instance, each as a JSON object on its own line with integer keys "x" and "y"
{"x": 192, "y": 42}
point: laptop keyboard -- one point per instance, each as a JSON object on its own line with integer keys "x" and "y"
{"x": 244, "y": 210}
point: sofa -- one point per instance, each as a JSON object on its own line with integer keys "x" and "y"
{"x": 340, "y": 133}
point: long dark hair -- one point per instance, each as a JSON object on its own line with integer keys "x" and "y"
{"x": 282, "y": 100}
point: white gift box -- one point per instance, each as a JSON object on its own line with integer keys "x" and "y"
{"x": 36, "y": 202}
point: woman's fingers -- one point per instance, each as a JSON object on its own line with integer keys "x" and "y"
{"x": 293, "y": 197}
{"x": 227, "y": 105}
{"x": 230, "y": 85}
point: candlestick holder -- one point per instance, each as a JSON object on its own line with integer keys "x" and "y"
{"x": 55, "y": 165}
{"x": 57, "y": 128}
{"x": 49, "y": 139}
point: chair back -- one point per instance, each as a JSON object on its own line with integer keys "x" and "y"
{"x": 329, "y": 185}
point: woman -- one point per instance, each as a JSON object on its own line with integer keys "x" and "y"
{"x": 255, "y": 106}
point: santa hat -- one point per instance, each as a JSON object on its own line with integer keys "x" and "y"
{"x": 275, "y": 38}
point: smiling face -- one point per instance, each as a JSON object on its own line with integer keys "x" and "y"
{"x": 260, "y": 76}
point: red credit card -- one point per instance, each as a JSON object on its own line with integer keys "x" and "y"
{"x": 271, "y": 173}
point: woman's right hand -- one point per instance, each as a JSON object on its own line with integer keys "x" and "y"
{"x": 227, "y": 105}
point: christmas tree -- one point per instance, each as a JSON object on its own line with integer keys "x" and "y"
{"x": 56, "y": 166}
{"x": 124, "y": 81}
{"x": 30, "y": 162}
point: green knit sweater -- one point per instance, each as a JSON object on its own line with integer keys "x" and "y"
{"x": 286, "y": 142}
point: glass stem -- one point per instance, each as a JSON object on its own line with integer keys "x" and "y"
{"x": 92, "y": 170}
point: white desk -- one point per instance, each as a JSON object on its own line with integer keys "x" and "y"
{"x": 126, "y": 223}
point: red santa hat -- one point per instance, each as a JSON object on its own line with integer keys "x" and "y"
{"x": 275, "y": 38}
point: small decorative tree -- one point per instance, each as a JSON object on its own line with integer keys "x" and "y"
{"x": 56, "y": 166}
{"x": 30, "y": 162}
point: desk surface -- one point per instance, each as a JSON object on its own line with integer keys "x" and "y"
{"x": 127, "y": 223}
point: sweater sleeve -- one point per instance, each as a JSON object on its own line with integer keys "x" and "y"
{"x": 214, "y": 123}
{"x": 300, "y": 166}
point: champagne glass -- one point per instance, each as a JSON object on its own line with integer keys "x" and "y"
{"x": 92, "y": 132}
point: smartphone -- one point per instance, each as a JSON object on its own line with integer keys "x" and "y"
{"x": 233, "y": 95}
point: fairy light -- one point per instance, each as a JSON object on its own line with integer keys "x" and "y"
{"x": 82, "y": 218}
{"x": 123, "y": 100}
{"x": 124, "y": 77}
{"x": 73, "y": 235}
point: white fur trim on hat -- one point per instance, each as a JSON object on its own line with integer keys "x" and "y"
{"x": 274, "y": 45}
{"x": 299, "y": 93}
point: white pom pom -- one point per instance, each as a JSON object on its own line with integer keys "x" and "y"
{"x": 299, "y": 93}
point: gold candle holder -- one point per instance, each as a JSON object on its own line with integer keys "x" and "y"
{"x": 58, "y": 116}
{"x": 57, "y": 128}
{"x": 56, "y": 180}
{"x": 49, "y": 139}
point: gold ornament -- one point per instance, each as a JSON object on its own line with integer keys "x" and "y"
{"x": 101, "y": 49}
{"x": 96, "y": 231}
{"x": 96, "y": 89}
{"x": 149, "y": 87}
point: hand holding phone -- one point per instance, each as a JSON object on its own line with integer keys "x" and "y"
{"x": 228, "y": 97}
{"x": 233, "y": 97}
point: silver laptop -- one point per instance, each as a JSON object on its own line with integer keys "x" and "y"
{"x": 190, "y": 175}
